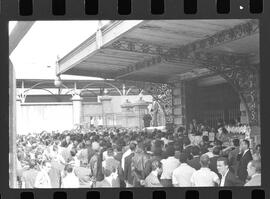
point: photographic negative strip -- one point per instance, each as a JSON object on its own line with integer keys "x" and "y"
{"x": 135, "y": 101}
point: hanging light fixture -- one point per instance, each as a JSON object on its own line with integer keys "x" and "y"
{"x": 58, "y": 82}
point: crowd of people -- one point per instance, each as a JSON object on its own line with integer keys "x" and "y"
{"x": 119, "y": 157}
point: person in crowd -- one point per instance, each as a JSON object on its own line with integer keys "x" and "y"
{"x": 187, "y": 147}
{"x": 112, "y": 165}
{"x": 29, "y": 176}
{"x": 128, "y": 176}
{"x": 213, "y": 160}
{"x": 66, "y": 142}
{"x": 181, "y": 176}
{"x": 156, "y": 155}
{"x": 108, "y": 181}
{"x": 228, "y": 178}
{"x": 70, "y": 180}
{"x": 84, "y": 174}
{"x": 119, "y": 152}
{"x": 95, "y": 153}
{"x": 43, "y": 180}
{"x": 82, "y": 154}
{"x": 204, "y": 144}
{"x": 195, "y": 161}
{"x": 244, "y": 157}
{"x": 222, "y": 135}
{"x": 204, "y": 177}
{"x": 138, "y": 164}
{"x": 168, "y": 166}
{"x": 232, "y": 156}
{"x": 152, "y": 180}
{"x": 96, "y": 162}
{"x": 257, "y": 153}
{"x": 254, "y": 172}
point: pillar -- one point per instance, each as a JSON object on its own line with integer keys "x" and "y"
{"x": 19, "y": 121}
{"x": 127, "y": 114}
{"x": 77, "y": 109}
{"x": 106, "y": 109}
{"x": 179, "y": 104}
{"x": 12, "y": 128}
{"x": 140, "y": 109}
{"x": 243, "y": 113}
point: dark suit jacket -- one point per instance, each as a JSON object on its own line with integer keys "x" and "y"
{"x": 242, "y": 167}
{"x": 232, "y": 157}
{"x": 195, "y": 163}
{"x": 232, "y": 180}
{"x": 188, "y": 150}
{"x": 127, "y": 169}
{"x": 213, "y": 164}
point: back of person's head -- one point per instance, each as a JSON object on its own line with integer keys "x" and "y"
{"x": 183, "y": 157}
{"x": 205, "y": 138}
{"x": 195, "y": 151}
{"x": 69, "y": 168}
{"x": 257, "y": 165}
{"x": 236, "y": 142}
{"x": 170, "y": 151}
{"x": 132, "y": 146}
{"x": 119, "y": 148}
{"x": 32, "y": 164}
{"x": 73, "y": 152}
{"x": 204, "y": 160}
{"x": 157, "y": 151}
{"x": 218, "y": 143}
{"x": 156, "y": 164}
{"x": 186, "y": 141}
{"x": 216, "y": 150}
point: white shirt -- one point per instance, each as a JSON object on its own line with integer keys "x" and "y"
{"x": 168, "y": 166}
{"x": 223, "y": 179}
{"x": 70, "y": 181}
{"x": 204, "y": 177}
{"x": 181, "y": 175}
{"x": 126, "y": 154}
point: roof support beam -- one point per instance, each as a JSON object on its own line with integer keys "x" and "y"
{"x": 138, "y": 66}
{"x": 235, "y": 33}
{"x": 109, "y": 34}
{"x": 18, "y": 32}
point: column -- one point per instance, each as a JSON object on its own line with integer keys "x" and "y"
{"x": 106, "y": 109}
{"x": 12, "y": 128}
{"x": 140, "y": 108}
{"x": 179, "y": 104}
{"x": 244, "y": 114}
{"x": 77, "y": 109}
{"x": 19, "y": 122}
{"x": 127, "y": 115}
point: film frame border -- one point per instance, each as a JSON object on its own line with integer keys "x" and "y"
{"x": 172, "y": 10}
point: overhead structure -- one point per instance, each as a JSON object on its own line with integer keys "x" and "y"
{"x": 160, "y": 56}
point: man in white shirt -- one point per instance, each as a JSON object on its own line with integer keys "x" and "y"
{"x": 181, "y": 175}
{"x": 70, "y": 180}
{"x": 168, "y": 166}
{"x": 204, "y": 177}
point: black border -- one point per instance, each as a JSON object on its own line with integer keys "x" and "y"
{"x": 174, "y": 9}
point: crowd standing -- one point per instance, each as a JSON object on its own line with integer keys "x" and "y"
{"x": 119, "y": 157}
